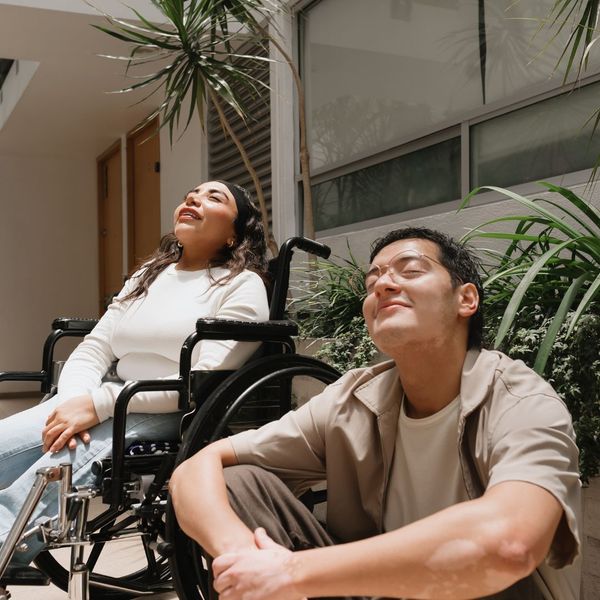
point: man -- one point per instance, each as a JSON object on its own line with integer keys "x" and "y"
{"x": 451, "y": 471}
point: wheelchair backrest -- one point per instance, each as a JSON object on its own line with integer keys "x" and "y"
{"x": 279, "y": 268}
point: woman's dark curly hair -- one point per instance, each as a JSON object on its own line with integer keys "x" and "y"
{"x": 249, "y": 251}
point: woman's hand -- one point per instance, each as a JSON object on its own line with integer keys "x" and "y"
{"x": 75, "y": 416}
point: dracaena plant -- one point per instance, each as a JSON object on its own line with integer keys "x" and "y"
{"x": 551, "y": 262}
{"x": 329, "y": 297}
{"x": 581, "y": 18}
{"x": 192, "y": 52}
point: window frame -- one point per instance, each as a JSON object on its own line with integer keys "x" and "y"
{"x": 459, "y": 125}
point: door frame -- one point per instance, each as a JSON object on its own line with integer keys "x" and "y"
{"x": 100, "y": 195}
{"x": 130, "y": 245}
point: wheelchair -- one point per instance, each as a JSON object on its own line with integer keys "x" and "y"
{"x": 132, "y": 483}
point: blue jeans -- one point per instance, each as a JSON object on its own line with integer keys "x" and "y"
{"x": 21, "y": 456}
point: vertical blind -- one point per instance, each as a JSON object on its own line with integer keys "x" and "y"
{"x": 224, "y": 160}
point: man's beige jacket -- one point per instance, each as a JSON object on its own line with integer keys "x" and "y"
{"x": 512, "y": 427}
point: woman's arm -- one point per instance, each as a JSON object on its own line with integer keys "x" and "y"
{"x": 89, "y": 362}
{"x": 80, "y": 376}
{"x": 245, "y": 300}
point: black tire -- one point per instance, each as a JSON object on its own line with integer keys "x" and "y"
{"x": 107, "y": 585}
{"x": 218, "y": 416}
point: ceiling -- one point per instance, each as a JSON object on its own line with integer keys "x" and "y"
{"x": 66, "y": 110}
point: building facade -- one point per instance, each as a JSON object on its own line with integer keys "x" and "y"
{"x": 409, "y": 104}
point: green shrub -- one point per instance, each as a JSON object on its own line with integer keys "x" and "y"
{"x": 329, "y": 298}
{"x": 551, "y": 259}
{"x": 351, "y": 349}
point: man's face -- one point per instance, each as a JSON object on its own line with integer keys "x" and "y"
{"x": 410, "y": 299}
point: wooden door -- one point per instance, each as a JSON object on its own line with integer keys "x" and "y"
{"x": 110, "y": 223}
{"x": 143, "y": 152}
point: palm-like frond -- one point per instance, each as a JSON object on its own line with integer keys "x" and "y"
{"x": 192, "y": 50}
{"x": 552, "y": 257}
{"x": 583, "y": 16}
{"x": 194, "y": 40}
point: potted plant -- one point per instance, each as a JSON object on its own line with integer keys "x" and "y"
{"x": 196, "y": 57}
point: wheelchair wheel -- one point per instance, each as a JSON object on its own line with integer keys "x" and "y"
{"x": 144, "y": 570}
{"x": 256, "y": 394}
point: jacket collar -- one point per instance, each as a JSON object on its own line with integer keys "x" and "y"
{"x": 478, "y": 375}
{"x": 382, "y": 390}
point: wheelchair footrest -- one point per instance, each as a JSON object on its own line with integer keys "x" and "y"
{"x": 18, "y": 575}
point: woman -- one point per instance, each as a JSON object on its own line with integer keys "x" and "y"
{"x": 210, "y": 266}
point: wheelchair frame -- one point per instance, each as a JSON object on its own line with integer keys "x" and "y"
{"x": 210, "y": 400}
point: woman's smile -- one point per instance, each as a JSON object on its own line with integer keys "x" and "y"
{"x": 187, "y": 213}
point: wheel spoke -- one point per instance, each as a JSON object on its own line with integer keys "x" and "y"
{"x": 94, "y": 555}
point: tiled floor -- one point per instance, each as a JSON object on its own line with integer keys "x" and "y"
{"x": 53, "y": 593}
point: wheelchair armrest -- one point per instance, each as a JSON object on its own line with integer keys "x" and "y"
{"x": 23, "y": 376}
{"x": 275, "y": 331}
{"x": 119, "y": 425}
{"x": 70, "y": 324}
{"x": 246, "y": 331}
{"x": 62, "y": 327}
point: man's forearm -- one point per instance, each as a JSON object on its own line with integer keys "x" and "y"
{"x": 465, "y": 551}
{"x": 200, "y": 500}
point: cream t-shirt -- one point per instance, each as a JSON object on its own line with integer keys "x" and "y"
{"x": 425, "y": 476}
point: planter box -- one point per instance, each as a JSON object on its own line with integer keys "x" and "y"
{"x": 591, "y": 541}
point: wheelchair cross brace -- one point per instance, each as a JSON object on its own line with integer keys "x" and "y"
{"x": 69, "y": 527}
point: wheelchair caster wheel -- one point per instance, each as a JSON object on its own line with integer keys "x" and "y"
{"x": 22, "y": 575}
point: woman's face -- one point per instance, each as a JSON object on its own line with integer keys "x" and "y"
{"x": 204, "y": 220}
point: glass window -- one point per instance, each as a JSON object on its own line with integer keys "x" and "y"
{"x": 543, "y": 140}
{"x": 421, "y": 178}
{"x": 381, "y": 72}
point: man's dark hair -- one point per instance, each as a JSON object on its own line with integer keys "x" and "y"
{"x": 455, "y": 257}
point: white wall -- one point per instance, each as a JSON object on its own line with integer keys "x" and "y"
{"x": 182, "y": 166}
{"x": 48, "y": 251}
{"x": 112, "y": 7}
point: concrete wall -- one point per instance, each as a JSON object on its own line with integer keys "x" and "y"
{"x": 48, "y": 251}
{"x": 591, "y": 540}
{"x": 111, "y": 7}
{"x": 446, "y": 218}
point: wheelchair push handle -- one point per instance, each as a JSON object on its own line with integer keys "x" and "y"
{"x": 306, "y": 244}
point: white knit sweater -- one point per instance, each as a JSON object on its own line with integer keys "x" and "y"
{"x": 145, "y": 336}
